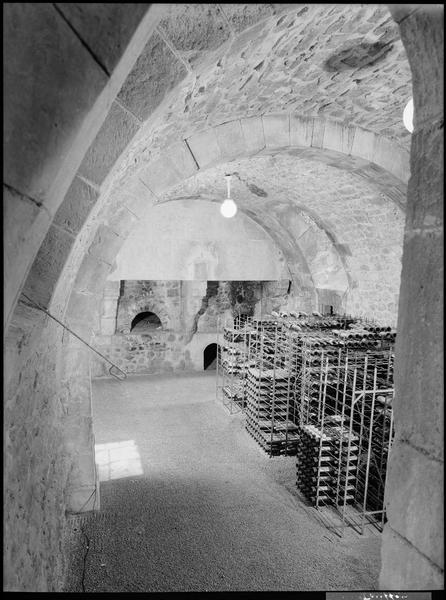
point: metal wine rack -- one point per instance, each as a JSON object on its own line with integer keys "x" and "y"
{"x": 232, "y": 361}
{"x": 320, "y": 388}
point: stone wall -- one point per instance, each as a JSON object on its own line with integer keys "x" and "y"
{"x": 36, "y": 459}
{"x": 160, "y": 297}
{"x": 189, "y": 312}
{"x": 56, "y": 127}
{"x": 339, "y": 233}
{"x": 186, "y": 240}
{"x": 413, "y": 539}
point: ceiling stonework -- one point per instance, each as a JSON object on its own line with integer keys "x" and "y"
{"x": 189, "y": 104}
{"x": 347, "y": 232}
{"x": 276, "y": 65}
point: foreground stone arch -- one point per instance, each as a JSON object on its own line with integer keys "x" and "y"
{"x": 75, "y": 244}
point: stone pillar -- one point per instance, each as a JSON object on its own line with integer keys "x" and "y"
{"x": 110, "y": 307}
{"x": 413, "y": 543}
{"x": 82, "y": 488}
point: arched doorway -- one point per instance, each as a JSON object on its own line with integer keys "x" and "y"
{"x": 145, "y": 321}
{"x": 210, "y": 357}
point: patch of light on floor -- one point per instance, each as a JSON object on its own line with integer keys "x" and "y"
{"x": 118, "y": 459}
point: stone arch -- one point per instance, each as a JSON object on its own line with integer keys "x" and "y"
{"x": 125, "y": 204}
{"x": 139, "y": 306}
{"x": 357, "y": 150}
{"x": 145, "y": 321}
{"x": 31, "y": 335}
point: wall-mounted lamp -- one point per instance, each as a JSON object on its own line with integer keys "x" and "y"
{"x": 229, "y": 208}
{"x": 408, "y": 116}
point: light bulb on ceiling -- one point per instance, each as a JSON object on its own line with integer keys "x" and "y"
{"x": 408, "y": 116}
{"x": 229, "y": 208}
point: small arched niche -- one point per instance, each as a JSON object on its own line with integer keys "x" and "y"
{"x": 210, "y": 357}
{"x": 145, "y": 322}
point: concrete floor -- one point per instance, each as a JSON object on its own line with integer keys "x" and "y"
{"x": 193, "y": 504}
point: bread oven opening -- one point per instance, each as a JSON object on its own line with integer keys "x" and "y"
{"x": 145, "y": 321}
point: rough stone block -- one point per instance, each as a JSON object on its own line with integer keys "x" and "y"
{"x": 363, "y": 144}
{"x": 338, "y": 137}
{"x": 425, "y": 206}
{"x": 415, "y": 482}
{"x": 404, "y": 568}
{"x": 242, "y": 16}
{"x": 47, "y": 267}
{"x": 159, "y": 175}
{"x": 282, "y": 8}
{"x": 112, "y": 289}
{"x": 374, "y": 173}
{"x": 317, "y": 139}
{"x": 276, "y": 129}
{"x": 301, "y": 131}
{"x": 156, "y": 72}
{"x": 205, "y": 148}
{"x": 401, "y": 11}
{"x": 195, "y": 28}
{"x": 108, "y": 325}
{"x": 81, "y": 305}
{"x": 109, "y": 306}
{"x": 106, "y": 28}
{"x": 106, "y": 244}
{"x": 24, "y": 227}
{"x": 76, "y": 206}
{"x": 84, "y": 472}
{"x": 230, "y": 139}
{"x": 252, "y": 128}
{"x": 419, "y": 404}
{"x": 423, "y": 36}
{"x": 392, "y": 158}
{"x": 396, "y": 193}
{"x": 182, "y": 159}
{"x": 116, "y": 132}
{"x": 81, "y": 500}
{"x": 50, "y": 88}
{"x": 91, "y": 275}
{"x": 24, "y": 320}
{"x": 136, "y": 196}
{"x": 351, "y": 163}
{"x": 121, "y": 221}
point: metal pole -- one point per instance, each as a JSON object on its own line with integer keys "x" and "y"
{"x": 369, "y": 449}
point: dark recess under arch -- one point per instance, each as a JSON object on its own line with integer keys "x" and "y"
{"x": 145, "y": 321}
{"x": 210, "y": 357}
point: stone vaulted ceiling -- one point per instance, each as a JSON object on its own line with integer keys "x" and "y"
{"x": 347, "y": 233}
{"x": 323, "y": 85}
{"x": 340, "y": 62}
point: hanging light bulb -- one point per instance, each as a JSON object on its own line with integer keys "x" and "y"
{"x": 229, "y": 207}
{"x": 408, "y": 116}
